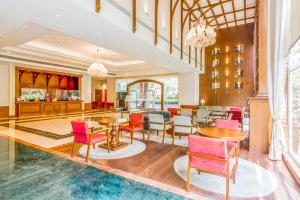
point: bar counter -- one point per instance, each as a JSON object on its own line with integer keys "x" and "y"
{"x": 31, "y": 108}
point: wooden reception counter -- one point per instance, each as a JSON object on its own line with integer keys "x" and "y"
{"x": 30, "y": 108}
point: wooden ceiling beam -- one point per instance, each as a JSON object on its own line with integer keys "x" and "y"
{"x": 223, "y": 11}
{"x": 233, "y": 7}
{"x": 235, "y": 21}
{"x": 231, "y": 12}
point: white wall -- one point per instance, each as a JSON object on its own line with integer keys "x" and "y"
{"x": 86, "y": 89}
{"x": 4, "y": 84}
{"x": 189, "y": 88}
{"x": 12, "y": 89}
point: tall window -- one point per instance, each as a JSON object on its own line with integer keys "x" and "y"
{"x": 170, "y": 88}
{"x": 294, "y": 102}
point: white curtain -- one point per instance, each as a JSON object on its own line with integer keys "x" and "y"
{"x": 277, "y": 64}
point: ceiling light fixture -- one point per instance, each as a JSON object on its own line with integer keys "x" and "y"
{"x": 201, "y": 35}
{"x": 97, "y": 69}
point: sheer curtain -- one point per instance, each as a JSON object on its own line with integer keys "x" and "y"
{"x": 277, "y": 64}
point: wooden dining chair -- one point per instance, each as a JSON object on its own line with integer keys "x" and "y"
{"x": 212, "y": 156}
{"x": 183, "y": 126}
{"x": 157, "y": 122}
{"x": 85, "y": 135}
{"x": 136, "y": 123}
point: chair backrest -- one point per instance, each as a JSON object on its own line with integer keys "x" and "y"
{"x": 202, "y": 113}
{"x": 173, "y": 110}
{"x": 156, "y": 118}
{"x": 80, "y": 131}
{"x": 204, "y": 107}
{"x": 235, "y": 108}
{"x": 80, "y": 127}
{"x": 207, "y": 147}
{"x": 230, "y": 124}
{"x": 186, "y": 112}
{"x": 216, "y": 108}
{"x": 136, "y": 118}
{"x": 182, "y": 124}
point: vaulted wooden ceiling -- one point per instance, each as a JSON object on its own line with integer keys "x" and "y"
{"x": 222, "y": 13}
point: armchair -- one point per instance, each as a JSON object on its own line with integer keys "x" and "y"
{"x": 136, "y": 123}
{"x": 183, "y": 126}
{"x": 85, "y": 135}
{"x": 210, "y": 155}
{"x": 157, "y": 122}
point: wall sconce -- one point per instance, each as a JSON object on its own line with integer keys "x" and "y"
{"x": 227, "y": 49}
{"x": 239, "y": 85}
{"x": 104, "y": 87}
{"x": 176, "y": 35}
{"x": 202, "y": 102}
{"x": 227, "y": 72}
{"x": 226, "y": 61}
{"x": 227, "y": 84}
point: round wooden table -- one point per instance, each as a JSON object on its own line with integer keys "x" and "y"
{"x": 113, "y": 122}
{"x": 223, "y": 133}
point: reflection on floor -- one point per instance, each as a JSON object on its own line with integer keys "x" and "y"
{"x": 27, "y": 173}
{"x": 155, "y": 162}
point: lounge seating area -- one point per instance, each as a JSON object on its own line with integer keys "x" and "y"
{"x": 150, "y": 100}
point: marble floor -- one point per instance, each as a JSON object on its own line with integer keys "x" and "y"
{"x": 154, "y": 166}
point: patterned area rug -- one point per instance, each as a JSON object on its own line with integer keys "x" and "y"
{"x": 252, "y": 181}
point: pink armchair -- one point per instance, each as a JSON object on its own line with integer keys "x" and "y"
{"x": 212, "y": 156}
{"x": 136, "y": 123}
{"x": 85, "y": 135}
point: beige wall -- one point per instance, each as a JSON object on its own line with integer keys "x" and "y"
{"x": 109, "y": 84}
{"x": 4, "y": 84}
{"x": 97, "y": 84}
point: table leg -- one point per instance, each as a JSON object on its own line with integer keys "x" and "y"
{"x": 115, "y": 144}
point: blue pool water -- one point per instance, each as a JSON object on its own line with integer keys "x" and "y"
{"x": 27, "y": 173}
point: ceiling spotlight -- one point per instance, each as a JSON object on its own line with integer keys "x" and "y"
{"x": 58, "y": 15}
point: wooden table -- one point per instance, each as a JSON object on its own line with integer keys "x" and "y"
{"x": 113, "y": 122}
{"x": 223, "y": 133}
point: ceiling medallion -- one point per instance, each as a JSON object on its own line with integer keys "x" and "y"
{"x": 201, "y": 35}
{"x": 97, "y": 70}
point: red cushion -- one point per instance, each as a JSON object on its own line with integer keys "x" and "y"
{"x": 128, "y": 128}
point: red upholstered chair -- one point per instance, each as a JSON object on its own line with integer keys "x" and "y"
{"x": 85, "y": 135}
{"x": 173, "y": 111}
{"x": 212, "y": 156}
{"x": 236, "y": 113}
{"x": 136, "y": 123}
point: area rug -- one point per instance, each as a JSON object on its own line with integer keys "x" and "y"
{"x": 133, "y": 149}
{"x": 252, "y": 181}
{"x": 168, "y": 139}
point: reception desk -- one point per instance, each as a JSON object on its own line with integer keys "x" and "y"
{"x": 47, "y": 108}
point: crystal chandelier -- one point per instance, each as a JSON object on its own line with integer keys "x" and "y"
{"x": 97, "y": 70}
{"x": 201, "y": 35}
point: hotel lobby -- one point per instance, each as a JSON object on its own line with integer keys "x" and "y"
{"x": 140, "y": 99}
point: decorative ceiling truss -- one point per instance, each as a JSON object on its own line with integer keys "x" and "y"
{"x": 218, "y": 14}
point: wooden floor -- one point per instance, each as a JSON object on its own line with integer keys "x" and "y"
{"x": 156, "y": 162}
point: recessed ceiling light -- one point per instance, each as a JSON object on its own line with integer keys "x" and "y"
{"x": 99, "y": 33}
{"x": 58, "y": 15}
